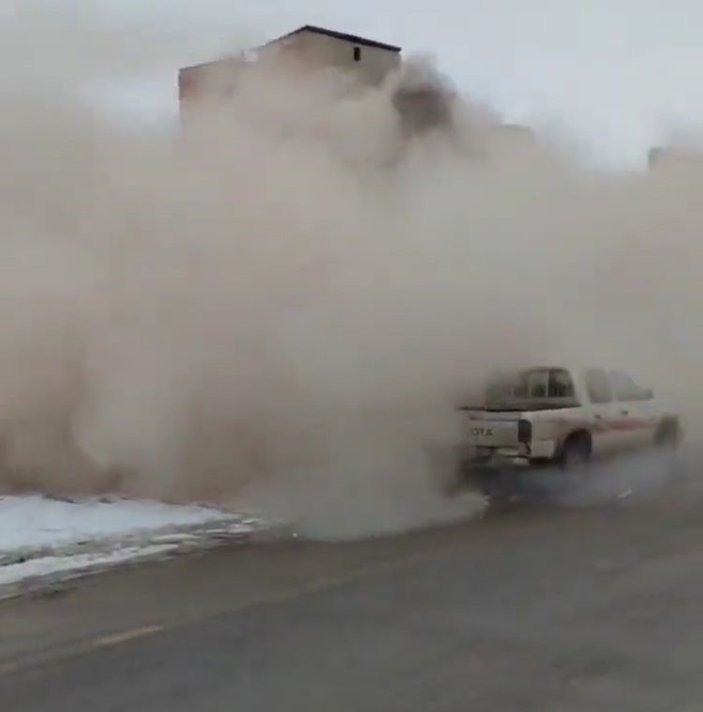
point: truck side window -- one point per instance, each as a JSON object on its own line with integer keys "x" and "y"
{"x": 597, "y": 386}
{"x": 625, "y": 389}
{"x": 560, "y": 384}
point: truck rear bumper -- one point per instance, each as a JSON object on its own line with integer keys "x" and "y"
{"x": 495, "y": 461}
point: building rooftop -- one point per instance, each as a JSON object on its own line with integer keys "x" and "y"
{"x": 355, "y": 39}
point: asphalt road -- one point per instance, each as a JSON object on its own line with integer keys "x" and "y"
{"x": 539, "y": 610}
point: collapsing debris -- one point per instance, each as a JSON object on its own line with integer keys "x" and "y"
{"x": 424, "y": 100}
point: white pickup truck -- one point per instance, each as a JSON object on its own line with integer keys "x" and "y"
{"x": 562, "y": 416}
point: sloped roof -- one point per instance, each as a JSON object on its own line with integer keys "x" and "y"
{"x": 354, "y": 39}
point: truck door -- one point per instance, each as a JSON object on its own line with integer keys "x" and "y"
{"x": 601, "y": 413}
{"x": 634, "y": 413}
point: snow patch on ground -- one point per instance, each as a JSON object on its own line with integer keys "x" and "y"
{"x": 77, "y": 564}
{"x": 36, "y": 521}
{"x": 49, "y": 539}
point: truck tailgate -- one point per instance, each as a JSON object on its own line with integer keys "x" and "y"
{"x": 493, "y": 429}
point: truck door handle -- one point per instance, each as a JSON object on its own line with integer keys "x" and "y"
{"x": 624, "y": 412}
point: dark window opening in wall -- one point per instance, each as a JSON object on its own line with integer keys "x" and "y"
{"x": 357, "y": 54}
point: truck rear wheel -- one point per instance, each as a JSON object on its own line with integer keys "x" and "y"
{"x": 575, "y": 459}
{"x": 667, "y": 441}
{"x": 668, "y": 435}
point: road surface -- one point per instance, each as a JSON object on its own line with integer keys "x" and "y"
{"x": 565, "y": 611}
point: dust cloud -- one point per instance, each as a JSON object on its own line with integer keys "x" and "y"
{"x": 282, "y": 306}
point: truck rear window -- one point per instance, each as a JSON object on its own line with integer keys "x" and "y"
{"x": 535, "y": 383}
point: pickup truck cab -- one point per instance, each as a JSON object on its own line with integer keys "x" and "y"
{"x": 563, "y": 416}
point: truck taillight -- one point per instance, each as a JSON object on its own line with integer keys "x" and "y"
{"x": 524, "y": 431}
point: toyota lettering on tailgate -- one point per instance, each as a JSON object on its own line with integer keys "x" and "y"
{"x": 482, "y": 432}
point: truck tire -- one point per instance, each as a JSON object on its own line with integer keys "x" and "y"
{"x": 667, "y": 440}
{"x": 575, "y": 459}
{"x": 668, "y": 435}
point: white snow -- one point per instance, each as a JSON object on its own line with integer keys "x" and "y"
{"x": 76, "y": 564}
{"x": 35, "y": 521}
{"x": 42, "y": 537}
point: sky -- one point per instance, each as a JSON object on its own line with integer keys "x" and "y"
{"x": 616, "y": 75}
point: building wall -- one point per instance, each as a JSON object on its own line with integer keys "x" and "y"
{"x": 208, "y": 81}
{"x": 318, "y": 50}
{"x": 306, "y": 50}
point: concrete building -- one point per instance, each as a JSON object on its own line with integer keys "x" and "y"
{"x": 308, "y": 48}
